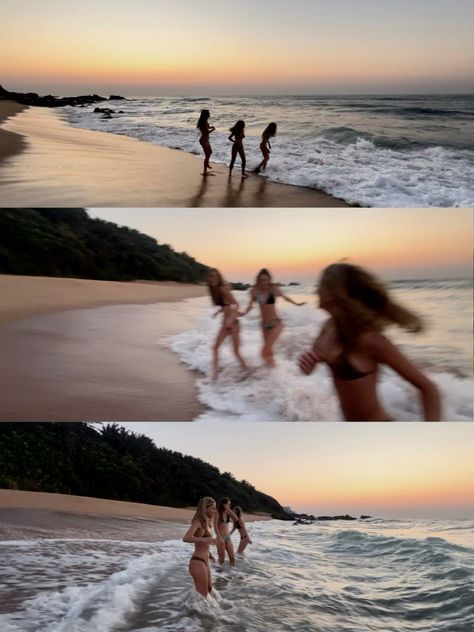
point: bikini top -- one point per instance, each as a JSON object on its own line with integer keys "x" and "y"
{"x": 238, "y": 525}
{"x": 265, "y": 299}
{"x": 219, "y": 302}
{"x": 344, "y": 370}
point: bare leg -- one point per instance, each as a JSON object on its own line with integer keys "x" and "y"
{"x": 209, "y": 578}
{"x": 221, "y": 336}
{"x": 269, "y": 337}
{"x": 230, "y": 552}
{"x": 221, "y": 552}
{"x": 244, "y": 161}
{"x": 233, "y": 157}
{"x": 243, "y": 545}
{"x": 236, "y": 344}
{"x": 200, "y": 573}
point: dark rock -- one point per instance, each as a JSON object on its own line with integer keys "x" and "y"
{"x": 294, "y": 283}
{"x": 240, "y": 286}
{"x": 116, "y": 97}
{"x": 49, "y": 101}
{"x": 346, "y": 517}
{"x": 365, "y": 517}
{"x": 104, "y": 110}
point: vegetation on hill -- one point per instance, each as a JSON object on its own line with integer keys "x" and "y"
{"x": 112, "y": 462}
{"x": 69, "y": 243}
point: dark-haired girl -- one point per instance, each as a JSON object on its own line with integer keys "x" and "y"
{"x": 239, "y": 525}
{"x": 265, "y": 292}
{"x": 222, "y": 517}
{"x": 222, "y": 297}
{"x": 205, "y": 129}
{"x": 237, "y": 135}
{"x": 269, "y": 132}
{"x": 352, "y": 344}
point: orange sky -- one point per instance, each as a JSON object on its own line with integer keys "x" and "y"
{"x": 297, "y": 243}
{"x": 148, "y": 47}
{"x": 405, "y": 469}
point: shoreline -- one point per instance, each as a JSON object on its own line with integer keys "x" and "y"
{"x": 43, "y": 515}
{"x": 27, "y": 296}
{"x": 81, "y": 350}
{"x": 108, "y": 169}
{"x": 10, "y": 143}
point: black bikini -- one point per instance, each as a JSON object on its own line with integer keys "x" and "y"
{"x": 344, "y": 370}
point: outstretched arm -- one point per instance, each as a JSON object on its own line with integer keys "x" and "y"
{"x": 387, "y": 353}
{"x": 278, "y": 292}
{"x": 249, "y": 307}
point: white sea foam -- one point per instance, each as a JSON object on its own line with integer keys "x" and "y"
{"x": 285, "y": 394}
{"x": 380, "y": 163}
{"x": 331, "y": 575}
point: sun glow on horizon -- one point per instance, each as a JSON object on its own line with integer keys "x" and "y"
{"x": 154, "y": 46}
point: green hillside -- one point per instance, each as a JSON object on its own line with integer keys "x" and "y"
{"x": 69, "y": 243}
{"x": 111, "y": 462}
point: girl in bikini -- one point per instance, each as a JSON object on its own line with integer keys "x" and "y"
{"x": 205, "y": 129}
{"x": 199, "y": 534}
{"x": 269, "y": 132}
{"x": 239, "y": 525}
{"x": 222, "y": 517}
{"x": 237, "y": 135}
{"x": 222, "y": 297}
{"x": 352, "y": 344}
{"x": 265, "y": 293}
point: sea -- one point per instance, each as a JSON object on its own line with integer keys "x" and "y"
{"x": 444, "y": 352}
{"x": 376, "y": 575}
{"x": 376, "y": 151}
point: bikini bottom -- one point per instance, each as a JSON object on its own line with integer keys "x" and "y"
{"x": 270, "y": 325}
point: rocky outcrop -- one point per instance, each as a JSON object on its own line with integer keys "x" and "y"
{"x": 49, "y": 101}
{"x": 240, "y": 286}
{"x": 309, "y": 518}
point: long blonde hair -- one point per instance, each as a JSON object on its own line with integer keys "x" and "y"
{"x": 361, "y": 303}
{"x": 201, "y": 515}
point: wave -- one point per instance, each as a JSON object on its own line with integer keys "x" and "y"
{"x": 363, "y": 168}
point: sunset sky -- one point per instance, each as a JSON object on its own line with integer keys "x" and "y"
{"x": 152, "y": 47}
{"x": 295, "y": 244}
{"x": 387, "y": 470}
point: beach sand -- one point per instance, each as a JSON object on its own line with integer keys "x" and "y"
{"x": 38, "y": 514}
{"x": 61, "y": 166}
{"x": 106, "y": 362}
{"x": 10, "y": 143}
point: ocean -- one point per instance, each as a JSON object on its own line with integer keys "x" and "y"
{"x": 378, "y": 151}
{"x": 444, "y": 352}
{"x": 377, "y": 575}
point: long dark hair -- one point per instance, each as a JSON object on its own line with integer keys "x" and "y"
{"x": 238, "y": 512}
{"x": 270, "y": 131}
{"x": 215, "y": 290}
{"x": 362, "y": 304}
{"x": 263, "y": 271}
{"x": 238, "y": 127}
{"x": 220, "y": 507}
{"x": 203, "y": 118}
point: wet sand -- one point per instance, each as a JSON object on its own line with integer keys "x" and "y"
{"x": 10, "y": 143}
{"x": 102, "y": 364}
{"x": 63, "y": 166}
{"x": 24, "y": 296}
{"x": 42, "y": 515}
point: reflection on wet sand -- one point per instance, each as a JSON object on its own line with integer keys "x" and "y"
{"x": 65, "y": 166}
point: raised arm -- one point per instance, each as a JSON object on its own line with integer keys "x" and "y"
{"x": 251, "y": 301}
{"x": 232, "y": 515}
{"x": 387, "y": 353}
{"x": 278, "y": 292}
{"x": 193, "y": 539}
{"x": 231, "y": 137}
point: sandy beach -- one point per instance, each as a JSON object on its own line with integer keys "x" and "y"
{"x": 63, "y": 166}
{"x": 10, "y": 143}
{"x": 38, "y": 514}
{"x": 24, "y": 296}
{"x": 76, "y": 350}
